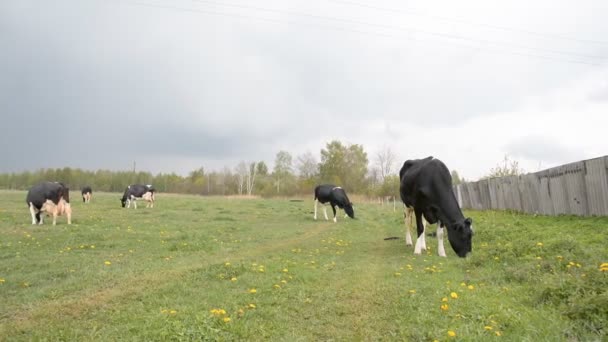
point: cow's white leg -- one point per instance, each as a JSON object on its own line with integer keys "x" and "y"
{"x": 325, "y": 213}
{"x": 135, "y": 203}
{"x": 33, "y": 212}
{"x": 423, "y": 236}
{"x": 419, "y": 243}
{"x": 128, "y": 203}
{"x": 55, "y": 216}
{"x": 335, "y": 213}
{"x": 421, "y": 229}
{"x": 440, "y": 248}
{"x": 68, "y": 212}
{"x": 316, "y": 201}
{"x": 408, "y": 234}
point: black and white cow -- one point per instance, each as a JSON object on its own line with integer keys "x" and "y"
{"x": 336, "y": 196}
{"x": 87, "y": 194}
{"x": 52, "y": 198}
{"x": 135, "y": 191}
{"x": 426, "y": 191}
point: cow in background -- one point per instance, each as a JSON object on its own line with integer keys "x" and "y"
{"x": 135, "y": 191}
{"x": 426, "y": 190}
{"x": 87, "y": 194}
{"x": 335, "y": 196}
{"x": 52, "y": 198}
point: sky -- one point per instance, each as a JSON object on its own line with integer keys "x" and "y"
{"x": 176, "y": 85}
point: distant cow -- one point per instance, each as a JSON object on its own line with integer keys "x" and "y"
{"x": 426, "y": 190}
{"x": 87, "y": 194}
{"x": 135, "y": 191}
{"x": 52, "y": 198}
{"x": 336, "y": 196}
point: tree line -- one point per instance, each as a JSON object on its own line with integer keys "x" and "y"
{"x": 347, "y": 165}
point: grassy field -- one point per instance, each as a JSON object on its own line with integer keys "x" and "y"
{"x": 197, "y": 268}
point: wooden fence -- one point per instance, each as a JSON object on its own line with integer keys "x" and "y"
{"x": 579, "y": 188}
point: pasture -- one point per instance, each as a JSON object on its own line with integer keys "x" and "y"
{"x": 196, "y": 268}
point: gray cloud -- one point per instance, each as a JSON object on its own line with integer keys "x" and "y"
{"x": 542, "y": 149}
{"x": 156, "y": 83}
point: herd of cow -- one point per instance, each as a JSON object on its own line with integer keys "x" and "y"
{"x": 426, "y": 192}
{"x": 53, "y": 199}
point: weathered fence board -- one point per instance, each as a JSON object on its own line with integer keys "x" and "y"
{"x": 579, "y": 188}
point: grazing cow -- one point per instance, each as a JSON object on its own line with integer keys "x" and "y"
{"x": 87, "y": 193}
{"x": 135, "y": 191}
{"x": 336, "y": 196}
{"x": 426, "y": 191}
{"x": 52, "y": 198}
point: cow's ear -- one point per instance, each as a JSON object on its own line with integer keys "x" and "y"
{"x": 468, "y": 221}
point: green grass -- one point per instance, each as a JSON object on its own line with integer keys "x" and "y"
{"x": 171, "y": 265}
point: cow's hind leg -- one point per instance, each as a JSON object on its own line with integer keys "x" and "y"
{"x": 408, "y": 215}
{"x": 325, "y": 212}
{"x": 316, "y": 202}
{"x": 35, "y": 215}
{"x": 440, "y": 248}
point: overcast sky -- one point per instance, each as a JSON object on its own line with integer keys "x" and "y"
{"x": 175, "y": 85}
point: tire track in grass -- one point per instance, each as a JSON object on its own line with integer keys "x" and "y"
{"x": 75, "y": 307}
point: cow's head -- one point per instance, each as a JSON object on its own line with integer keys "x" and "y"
{"x": 349, "y": 210}
{"x": 123, "y": 201}
{"x": 460, "y": 235}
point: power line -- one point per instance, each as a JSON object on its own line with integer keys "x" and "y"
{"x": 408, "y": 29}
{"x": 342, "y": 29}
{"x": 413, "y": 11}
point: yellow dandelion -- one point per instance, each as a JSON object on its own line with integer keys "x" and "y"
{"x": 444, "y": 299}
{"x": 241, "y": 312}
{"x": 2, "y": 280}
{"x": 454, "y": 295}
{"x": 173, "y": 312}
{"x": 412, "y": 291}
{"x": 253, "y": 291}
{"x": 488, "y": 328}
{"x": 451, "y": 333}
{"x": 227, "y": 319}
{"x": 107, "y": 263}
{"x": 604, "y": 265}
{"x": 276, "y": 286}
{"x": 285, "y": 270}
{"x": 539, "y": 244}
{"x": 463, "y": 284}
{"x": 284, "y": 281}
{"x": 252, "y": 306}
{"x": 471, "y": 287}
{"x": 497, "y": 333}
{"x": 233, "y": 279}
{"x": 227, "y": 264}
{"x": 397, "y": 274}
{"x": 444, "y": 307}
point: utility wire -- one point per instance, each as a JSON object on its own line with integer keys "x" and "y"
{"x": 336, "y": 28}
{"x": 413, "y": 11}
{"x": 392, "y": 27}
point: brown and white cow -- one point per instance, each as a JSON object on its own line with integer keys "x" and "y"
{"x": 87, "y": 194}
{"x": 50, "y": 198}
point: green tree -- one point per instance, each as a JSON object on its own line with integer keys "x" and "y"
{"x": 456, "y": 178}
{"x": 344, "y": 165}
{"x": 508, "y": 167}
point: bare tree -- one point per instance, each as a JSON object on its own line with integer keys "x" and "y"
{"x": 307, "y": 165}
{"x": 251, "y": 178}
{"x": 385, "y": 160}
{"x": 241, "y": 173}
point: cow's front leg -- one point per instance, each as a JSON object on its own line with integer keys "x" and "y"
{"x": 316, "y": 202}
{"x": 440, "y": 248}
{"x": 325, "y": 212}
{"x": 420, "y": 228}
{"x": 333, "y": 207}
{"x": 135, "y": 203}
